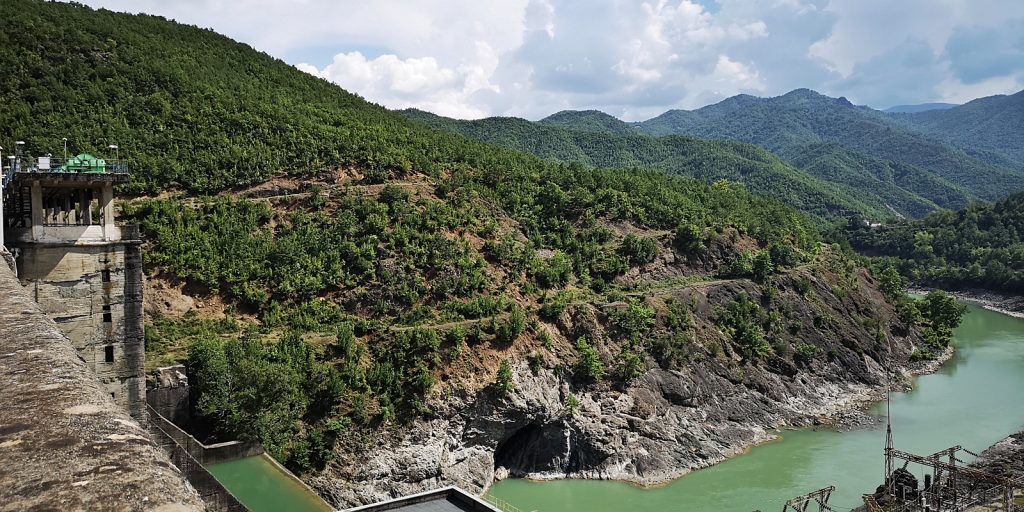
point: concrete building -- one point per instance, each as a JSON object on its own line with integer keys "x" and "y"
{"x": 83, "y": 270}
{"x": 447, "y": 499}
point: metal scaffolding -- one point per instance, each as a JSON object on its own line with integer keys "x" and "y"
{"x": 951, "y": 486}
{"x": 800, "y": 503}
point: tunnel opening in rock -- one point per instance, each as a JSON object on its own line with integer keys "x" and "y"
{"x": 533, "y": 448}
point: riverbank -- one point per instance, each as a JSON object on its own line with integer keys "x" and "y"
{"x": 709, "y": 406}
{"x": 946, "y": 408}
{"x": 1005, "y": 303}
{"x": 1005, "y": 458}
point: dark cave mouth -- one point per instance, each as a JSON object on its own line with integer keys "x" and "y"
{"x": 533, "y": 448}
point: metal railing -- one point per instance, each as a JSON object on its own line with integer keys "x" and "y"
{"x": 51, "y": 164}
{"x": 503, "y": 505}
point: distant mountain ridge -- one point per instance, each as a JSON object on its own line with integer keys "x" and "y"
{"x": 895, "y": 163}
{"x": 600, "y": 140}
{"x": 804, "y": 117}
{"x": 990, "y": 128}
{"x": 920, "y": 107}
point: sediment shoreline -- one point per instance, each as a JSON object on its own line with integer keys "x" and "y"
{"x": 1005, "y": 303}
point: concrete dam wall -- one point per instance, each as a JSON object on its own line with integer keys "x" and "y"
{"x": 65, "y": 443}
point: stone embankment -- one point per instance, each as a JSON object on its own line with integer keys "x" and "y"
{"x": 64, "y": 443}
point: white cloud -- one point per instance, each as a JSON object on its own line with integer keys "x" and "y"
{"x": 413, "y": 82}
{"x": 733, "y": 77}
{"x": 952, "y": 90}
{"x": 634, "y": 59}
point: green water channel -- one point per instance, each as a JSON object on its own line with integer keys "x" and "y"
{"x": 263, "y": 487}
{"x": 975, "y": 400}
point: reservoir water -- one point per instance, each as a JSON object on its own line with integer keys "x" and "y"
{"x": 262, "y": 487}
{"x": 976, "y": 399}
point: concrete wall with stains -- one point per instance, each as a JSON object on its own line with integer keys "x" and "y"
{"x": 65, "y": 444}
{"x": 94, "y": 294}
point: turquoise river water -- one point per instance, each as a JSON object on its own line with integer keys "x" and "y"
{"x": 976, "y": 399}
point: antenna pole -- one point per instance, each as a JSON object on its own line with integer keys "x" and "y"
{"x": 888, "y": 418}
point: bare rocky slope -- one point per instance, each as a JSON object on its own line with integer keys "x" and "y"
{"x": 665, "y": 423}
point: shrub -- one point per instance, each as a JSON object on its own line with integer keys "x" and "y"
{"x": 638, "y": 250}
{"x": 504, "y": 382}
{"x": 806, "y": 352}
{"x": 629, "y": 364}
{"x": 589, "y": 365}
{"x": 688, "y": 238}
{"x": 635, "y": 319}
{"x": 510, "y": 330}
{"x": 572, "y": 404}
{"x": 740, "y": 319}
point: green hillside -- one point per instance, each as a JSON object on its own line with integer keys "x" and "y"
{"x": 978, "y": 247}
{"x": 891, "y": 182}
{"x": 990, "y": 128}
{"x": 803, "y": 117}
{"x": 382, "y": 257}
{"x": 709, "y": 161}
{"x": 589, "y": 121}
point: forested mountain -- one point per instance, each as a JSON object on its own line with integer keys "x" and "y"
{"x": 978, "y": 247}
{"x": 992, "y": 128}
{"x": 803, "y": 117}
{"x": 890, "y": 182}
{"x": 589, "y": 121}
{"x": 763, "y": 173}
{"x": 384, "y": 228}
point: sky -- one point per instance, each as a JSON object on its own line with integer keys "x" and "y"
{"x": 632, "y": 59}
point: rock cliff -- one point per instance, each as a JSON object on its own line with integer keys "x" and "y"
{"x": 831, "y": 333}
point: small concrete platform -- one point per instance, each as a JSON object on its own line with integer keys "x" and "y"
{"x": 448, "y": 499}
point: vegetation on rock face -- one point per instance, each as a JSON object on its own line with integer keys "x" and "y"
{"x": 980, "y": 246}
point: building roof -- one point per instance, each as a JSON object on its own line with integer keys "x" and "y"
{"x": 447, "y": 499}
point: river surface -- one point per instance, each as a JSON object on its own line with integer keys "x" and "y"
{"x": 974, "y": 400}
{"x": 262, "y": 487}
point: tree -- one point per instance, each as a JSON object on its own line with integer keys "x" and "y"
{"x": 638, "y": 250}
{"x": 504, "y": 380}
{"x": 942, "y": 310}
{"x": 589, "y": 365}
{"x": 209, "y": 377}
{"x": 763, "y": 268}
{"x": 891, "y": 284}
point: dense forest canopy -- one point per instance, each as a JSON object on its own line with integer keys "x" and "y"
{"x": 991, "y": 129}
{"x": 706, "y": 160}
{"x": 979, "y": 246}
